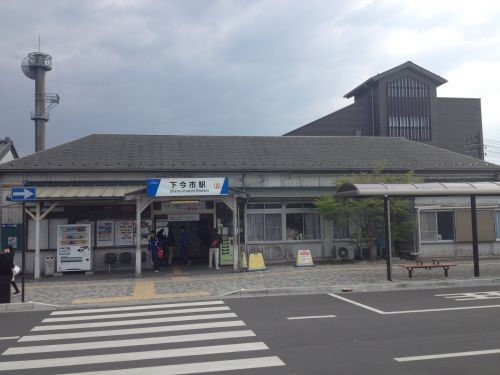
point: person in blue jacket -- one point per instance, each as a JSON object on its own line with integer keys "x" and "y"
{"x": 153, "y": 247}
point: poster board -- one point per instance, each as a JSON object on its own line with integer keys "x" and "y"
{"x": 124, "y": 232}
{"x": 74, "y": 251}
{"x": 146, "y": 227}
{"x": 105, "y": 233}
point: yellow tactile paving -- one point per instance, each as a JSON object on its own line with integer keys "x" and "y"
{"x": 143, "y": 290}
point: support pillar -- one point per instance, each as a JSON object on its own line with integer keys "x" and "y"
{"x": 236, "y": 229}
{"x": 37, "y": 240}
{"x": 37, "y": 218}
{"x": 138, "y": 269}
{"x": 140, "y": 206}
{"x": 388, "y": 240}
{"x": 475, "y": 245}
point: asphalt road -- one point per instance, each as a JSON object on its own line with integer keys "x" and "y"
{"x": 438, "y": 331}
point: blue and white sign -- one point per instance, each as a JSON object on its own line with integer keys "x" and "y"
{"x": 23, "y": 194}
{"x": 182, "y": 187}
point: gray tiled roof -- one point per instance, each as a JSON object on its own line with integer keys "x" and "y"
{"x": 107, "y": 152}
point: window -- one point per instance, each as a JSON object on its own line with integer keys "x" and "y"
{"x": 437, "y": 226}
{"x": 408, "y": 109}
{"x": 341, "y": 227}
{"x": 264, "y": 227}
{"x": 302, "y": 226}
{"x": 274, "y": 222}
{"x": 497, "y": 224}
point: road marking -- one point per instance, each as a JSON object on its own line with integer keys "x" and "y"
{"x": 471, "y": 296}
{"x": 357, "y": 304}
{"x": 169, "y": 319}
{"x": 132, "y": 331}
{"x": 132, "y": 308}
{"x": 143, "y": 290}
{"x": 310, "y": 317}
{"x": 447, "y": 355}
{"x": 443, "y": 309}
{"x": 9, "y": 338}
{"x": 136, "y": 314}
{"x": 412, "y": 311}
{"x": 128, "y": 342}
{"x": 135, "y": 356}
{"x": 194, "y": 368}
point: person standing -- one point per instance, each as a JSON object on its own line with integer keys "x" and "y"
{"x": 153, "y": 247}
{"x": 170, "y": 244}
{"x": 213, "y": 253}
{"x": 161, "y": 240}
{"x": 184, "y": 240}
{"x": 9, "y": 250}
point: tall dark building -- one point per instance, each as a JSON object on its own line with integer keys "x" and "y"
{"x": 402, "y": 102}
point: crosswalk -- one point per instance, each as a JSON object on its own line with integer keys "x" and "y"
{"x": 175, "y": 338}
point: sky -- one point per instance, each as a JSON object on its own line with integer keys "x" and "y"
{"x": 233, "y": 67}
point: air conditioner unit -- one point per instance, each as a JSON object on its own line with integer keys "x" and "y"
{"x": 344, "y": 252}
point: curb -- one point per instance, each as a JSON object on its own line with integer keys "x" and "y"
{"x": 26, "y": 306}
{"x": 363, "y": 287}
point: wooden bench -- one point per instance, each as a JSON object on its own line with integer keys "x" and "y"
{"x": 428, "y": 266}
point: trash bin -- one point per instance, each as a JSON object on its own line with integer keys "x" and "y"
{"x": 5, "y": 278}
{"x": 50, "y": 265}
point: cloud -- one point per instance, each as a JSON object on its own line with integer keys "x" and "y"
{"x": 231, "y": 67}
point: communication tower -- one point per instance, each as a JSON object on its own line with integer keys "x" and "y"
{"x": 34, "y": 67}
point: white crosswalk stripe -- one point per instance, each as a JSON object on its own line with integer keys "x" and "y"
{"x": 86, "y": 347}
{"x": 131, "y": 315}
{"x": 57, "y": 327}
{"x": 141, "y": 307}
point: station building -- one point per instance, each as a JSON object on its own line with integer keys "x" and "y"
{"x": 102, "y": 181}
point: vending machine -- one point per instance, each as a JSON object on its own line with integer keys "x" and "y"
{"x": 74, "y": 251}
{"x": 226, "y": 250}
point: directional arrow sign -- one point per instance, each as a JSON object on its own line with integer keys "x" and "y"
{"x": 23, "y": 194}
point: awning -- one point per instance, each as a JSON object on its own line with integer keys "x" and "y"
{"x": 56, "y": 193}
{"x": 415, "y": 190}
{"x": 276, "y": 193}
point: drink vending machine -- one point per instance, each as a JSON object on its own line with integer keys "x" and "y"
{"x": 74, "y": 250}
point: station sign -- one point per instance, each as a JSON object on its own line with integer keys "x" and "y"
{"x": 182, "y": 187}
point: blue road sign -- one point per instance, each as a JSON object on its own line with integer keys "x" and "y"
{"x": 23, "y": 194}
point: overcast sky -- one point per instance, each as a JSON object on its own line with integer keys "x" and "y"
{"x": 235, "y": 67}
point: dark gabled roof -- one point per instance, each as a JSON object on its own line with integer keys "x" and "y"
{"x": 171, "y": 153}
{"x": 407, "y": 65}
{"x": 6, "y": 146}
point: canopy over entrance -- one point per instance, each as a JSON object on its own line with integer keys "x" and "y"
{"x": 471, "y": 189}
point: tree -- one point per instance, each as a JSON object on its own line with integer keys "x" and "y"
{"x": 365, "y": 216}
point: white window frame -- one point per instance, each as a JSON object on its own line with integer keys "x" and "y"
{"x": 282, "y": 211}
{"x": 262, "y": 211}
{"x": 497, "y": 224}
{"x": 303, "y": 211}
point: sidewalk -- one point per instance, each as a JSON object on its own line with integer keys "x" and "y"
{"x": 197, "y": 281}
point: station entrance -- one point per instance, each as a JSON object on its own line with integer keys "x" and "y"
{"x": 198, "y": 219}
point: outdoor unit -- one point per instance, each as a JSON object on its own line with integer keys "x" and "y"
{"x": 343, "y": 252}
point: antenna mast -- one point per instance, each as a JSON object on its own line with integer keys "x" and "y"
{"x": 34, "y": 67}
